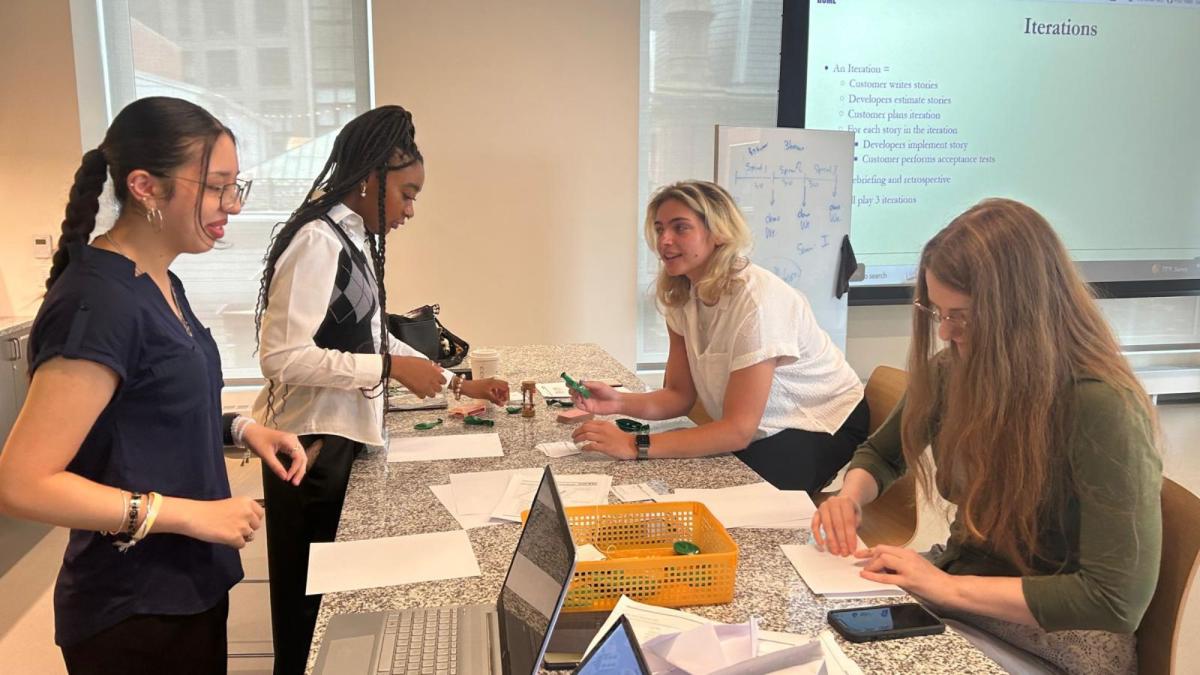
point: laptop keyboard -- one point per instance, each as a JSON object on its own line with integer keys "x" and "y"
{"x": 420, "y": 641}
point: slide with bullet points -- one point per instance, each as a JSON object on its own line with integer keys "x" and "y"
{"x": 1087, "y": 111}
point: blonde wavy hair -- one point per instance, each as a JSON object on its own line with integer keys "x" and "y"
{"x": 721, "y": 217}
{"x": 1003, "y": 414}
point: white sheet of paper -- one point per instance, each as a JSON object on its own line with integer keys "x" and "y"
{"x": 648, "y": 621}
{"x": 553, "y": 390}
{"x": 836, "y": 661}
{"x": 635, "y": 492}
{"x": 445, "y": 495}
{"x": 834, "y": 576}
{"x": 479, "y": 492}
{"x": 372, "y": 563}
{"x": 430, "y": 448}
{"x": 583, "y": 489}
{"x": 587, "y": 553}
{"x": 705, "y": 648}
{"x": 558, "y": 448}
{"x": 759, "y": 505}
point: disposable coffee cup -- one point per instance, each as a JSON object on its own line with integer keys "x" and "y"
{"x": 485, "y": 363}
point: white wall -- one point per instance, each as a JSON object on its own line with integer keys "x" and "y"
{"x": 526, "y": 113}
{"x": 39, "y": 141}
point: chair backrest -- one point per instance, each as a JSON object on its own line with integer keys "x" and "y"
{"x": 884, "y": 390}
{"x": 1157, "y": 636}
{"x": 892, "y": 518}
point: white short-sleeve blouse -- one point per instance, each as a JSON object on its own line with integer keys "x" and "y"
{"x": 761, "y": 318}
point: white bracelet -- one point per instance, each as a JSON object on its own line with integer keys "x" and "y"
{"x": 238, "y": 429}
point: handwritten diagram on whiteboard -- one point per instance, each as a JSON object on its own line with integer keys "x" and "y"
{"x": 794, "y": 187}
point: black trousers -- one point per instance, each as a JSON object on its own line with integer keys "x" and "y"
{"x": 807, "y": 460}
{"x": 296, "y": 517}
{"x": 193, "y": 644}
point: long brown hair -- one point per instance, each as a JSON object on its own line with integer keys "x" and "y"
{"x": 1001, "y": 411}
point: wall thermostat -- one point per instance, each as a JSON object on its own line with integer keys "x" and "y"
{"x": 43, "y": 246}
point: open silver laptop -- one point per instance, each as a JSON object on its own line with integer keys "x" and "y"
{"x": 505, "y": 638}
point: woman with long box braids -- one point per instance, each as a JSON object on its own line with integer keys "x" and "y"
{"x": 325, "y": 350}
{"x": 120, "y": 438}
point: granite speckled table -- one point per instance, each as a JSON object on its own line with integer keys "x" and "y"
{"x": 386, "y": 500}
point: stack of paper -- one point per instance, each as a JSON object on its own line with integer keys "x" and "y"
{"x": 496, "y": 497}
{"x": 674, "y": 641}
{"x": 834, "y": 576}
{"x": 430, "y": 448}
{"x": 584, "y": 489}
{"x": 371, "y": 563}
{"x": 759, "y": 505}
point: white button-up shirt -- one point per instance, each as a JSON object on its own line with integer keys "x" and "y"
{"x": 317, "y": 390}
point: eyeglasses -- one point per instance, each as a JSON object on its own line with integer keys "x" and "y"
{"x": 233, "y": 195}
{"x": 956, "y": 324}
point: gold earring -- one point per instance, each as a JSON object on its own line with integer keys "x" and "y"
{"x": 153, "y": 215}
{"x": 363, "y": 191}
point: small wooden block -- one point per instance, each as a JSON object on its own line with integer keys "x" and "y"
{"x": 467, "y": 409}
{"x": 574, "y": 416}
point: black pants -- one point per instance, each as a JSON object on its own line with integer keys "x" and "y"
{"x": 193, "y": 644}
{"x": 296, "y": 517}
{"x": 807, "y": 460}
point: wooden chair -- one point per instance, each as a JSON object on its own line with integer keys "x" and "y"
{"x": 892, "y": 518}
{"x": 1158, "y": 634}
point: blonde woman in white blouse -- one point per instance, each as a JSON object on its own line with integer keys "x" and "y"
{"x": 743, "y": 343}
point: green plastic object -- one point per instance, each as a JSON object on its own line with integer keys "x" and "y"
{"x": 632, "y": 426}
{"x": 513, "y": 409}
{"x": 426, "y": 426}
{"x": 686, "y": 548}
{"x": 471, "y": 420}
{"x": 577, "y": 387}
{"x": 558, "y": 403}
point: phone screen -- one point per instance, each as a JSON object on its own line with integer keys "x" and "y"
{"x": 871, "y": 620}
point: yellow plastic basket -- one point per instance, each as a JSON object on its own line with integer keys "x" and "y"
{"x": 639, "y": 541}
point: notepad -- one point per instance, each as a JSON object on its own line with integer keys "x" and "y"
{"x": 834, "y": 576}
{"x": 372, "y": 563}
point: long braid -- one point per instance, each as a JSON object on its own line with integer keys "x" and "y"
{"x": 378, "y": 244}
{"x": 82, "y": 206}
{"x": 363, "y": 146}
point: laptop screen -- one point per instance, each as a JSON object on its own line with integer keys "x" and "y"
{"x": 537, "y": 581}
{"x": 617, "y": 654}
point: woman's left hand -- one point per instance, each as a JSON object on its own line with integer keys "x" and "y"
{"x": 268, "y": 443}
{"x": 909, "y": 570}
{"x": 607, "y": 438}
{"x": 488, "y": 389}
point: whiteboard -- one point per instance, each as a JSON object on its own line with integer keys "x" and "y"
{"x": 794, "y": 188}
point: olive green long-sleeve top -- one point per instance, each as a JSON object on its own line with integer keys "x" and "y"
{"x": 1110, "y": 535}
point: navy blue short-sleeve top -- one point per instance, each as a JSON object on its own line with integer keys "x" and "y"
{"x": 160, "y": 432}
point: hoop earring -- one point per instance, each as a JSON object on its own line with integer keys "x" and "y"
{"x": 153, "y": 216}
{"x": 363, "y": 191}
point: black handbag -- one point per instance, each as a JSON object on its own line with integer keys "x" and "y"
{"x": 421, "y": 330}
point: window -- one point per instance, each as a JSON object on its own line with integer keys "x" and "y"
{"x": 222, "y": 72}
{"x": 718, "y": 63}
{"x": 274, "y": 64}
{"x": 284, "y": 131}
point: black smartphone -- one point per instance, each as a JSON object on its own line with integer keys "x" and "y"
{"x": 885, "y": 622}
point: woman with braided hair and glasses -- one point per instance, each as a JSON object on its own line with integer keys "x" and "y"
{"x": 325, "y": 350}
{"x": 120, "y": 438}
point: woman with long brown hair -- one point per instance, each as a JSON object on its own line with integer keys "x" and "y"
{"x": 1042, "y": 437}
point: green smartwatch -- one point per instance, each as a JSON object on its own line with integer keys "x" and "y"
{"x": 642, "y": 441}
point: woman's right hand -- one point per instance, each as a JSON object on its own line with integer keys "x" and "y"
{"x": 420, "y": 376}
{"x": 604, "y": 400}
{"x": 231, "y": 522}
{"x": 835, "y": 525}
